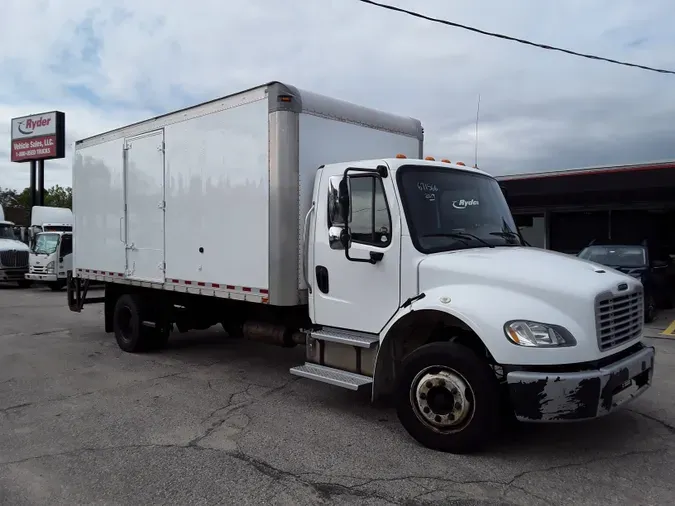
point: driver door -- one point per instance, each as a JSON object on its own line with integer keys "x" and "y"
{"x": 349, "y": 294}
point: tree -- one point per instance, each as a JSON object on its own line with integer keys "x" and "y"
{"x": 56, "y": 196}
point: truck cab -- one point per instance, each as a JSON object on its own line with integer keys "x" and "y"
{"x": 51, "y": 257}
{"x": 49, "y": 219}
{"x": 13, "y": 255}
{"x": 421, "y": 288}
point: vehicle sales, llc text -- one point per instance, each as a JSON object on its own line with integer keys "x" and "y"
{"x": 34, "y": 148}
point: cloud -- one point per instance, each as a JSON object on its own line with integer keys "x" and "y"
{"x": 107, "y": 63}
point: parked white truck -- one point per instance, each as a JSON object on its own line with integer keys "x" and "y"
{"x": 51, "y": 243}
{"x": 13, "y": 254}
{"x": 51, "y": 258}
{"x": 402, "y": 276}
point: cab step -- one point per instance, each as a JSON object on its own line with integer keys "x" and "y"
{"x": 337, "y": 377}
{"x": 348, "y": 337}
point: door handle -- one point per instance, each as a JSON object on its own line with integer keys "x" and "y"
{"x": 122, "y": 240}
{"x": 305, "y": 239}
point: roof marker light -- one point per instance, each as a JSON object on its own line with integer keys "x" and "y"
{"x": 445, "y": 160}
{"x": 461, "y": 163}
{"x": 430, "y": 158}
{"x": 401, "y": 156}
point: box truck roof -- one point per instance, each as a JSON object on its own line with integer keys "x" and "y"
{"x": 281, "y": 97}
{"x": 43, "y": 215}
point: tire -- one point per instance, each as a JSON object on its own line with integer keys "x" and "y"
{"x": 130, "y": 334}
{"x": 57, "y": 286}
{"x": 25, "y": 283}
{"x": 477, "y": 414}
{"x": 650, "y": 309}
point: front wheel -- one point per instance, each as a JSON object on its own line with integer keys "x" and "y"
{"x": 448, "y": 398}
{"x": 25, "y": 283}
{"x": 650, "y": 309}
{"x": 57, "y": 286}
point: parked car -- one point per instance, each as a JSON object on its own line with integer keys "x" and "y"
{"x": 634, "y": 259}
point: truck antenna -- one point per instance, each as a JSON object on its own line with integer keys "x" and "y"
{"x": 476, "y": 146}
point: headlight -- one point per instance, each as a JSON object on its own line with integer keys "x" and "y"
{"x": 539, "y": 335}
{"x": 50, "y": 266}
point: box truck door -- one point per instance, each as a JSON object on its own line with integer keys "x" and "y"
{"x": 352, "y": 294}
{"x": 144, "y": 194}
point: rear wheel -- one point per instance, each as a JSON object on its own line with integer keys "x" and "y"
{"x": 131, "y": 336}
{"x": 448, "y": 398}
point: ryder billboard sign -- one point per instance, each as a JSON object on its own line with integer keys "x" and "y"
{"x": 39, "y": 137}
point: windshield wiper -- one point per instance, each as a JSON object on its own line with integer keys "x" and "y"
{"x": 510, "y": 234}
{"x": 461, "y": 235}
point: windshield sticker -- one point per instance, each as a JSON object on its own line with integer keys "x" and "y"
{"x": 427, "y": 187}
{"x": 463, "y": 204}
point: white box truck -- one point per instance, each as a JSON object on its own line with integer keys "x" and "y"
{"x": 403, "y": 276}
{"x": 51, "y": 242}
{"x": 51, "y": 258}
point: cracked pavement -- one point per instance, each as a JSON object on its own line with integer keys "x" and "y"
{"x": 212, "y": 420}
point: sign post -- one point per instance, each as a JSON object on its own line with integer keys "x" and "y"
{"x": 37, "y": 138}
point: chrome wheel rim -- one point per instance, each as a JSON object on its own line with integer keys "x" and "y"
{"x": 442, "y": 399}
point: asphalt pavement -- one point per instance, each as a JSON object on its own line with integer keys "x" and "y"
{"x": 213, "y": 420}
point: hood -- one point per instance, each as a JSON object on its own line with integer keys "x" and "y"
{"x": 534, "y": 271}
{"x": 10, "y": 244}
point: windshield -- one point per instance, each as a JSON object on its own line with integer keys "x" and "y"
{"x": 7, "y": 231}
{"x": 449, "y": 209}
{"x": 617, "y": 256}
{"x": 46, "y": 244}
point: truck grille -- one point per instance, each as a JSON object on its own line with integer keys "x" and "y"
{"x": 13, "y": 258}
{"x": 618, "y": 319}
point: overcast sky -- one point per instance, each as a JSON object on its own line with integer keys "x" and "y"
{"x": 106, "y": 63}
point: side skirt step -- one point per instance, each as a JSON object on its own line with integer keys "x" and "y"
{"x": 344, "y": 379}
{"x": 347, "y": 337}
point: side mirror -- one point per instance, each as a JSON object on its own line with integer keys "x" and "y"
{"x": 343, "y": 198}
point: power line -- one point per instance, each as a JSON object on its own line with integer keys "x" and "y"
{"x": 514, "y": 39}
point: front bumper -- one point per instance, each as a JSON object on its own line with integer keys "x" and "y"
{"x": 581, "y": 395}
{"x": 12, "y": 274}
{"x": 42, "y": 277}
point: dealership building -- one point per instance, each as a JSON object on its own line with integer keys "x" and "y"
{"x": 565, "y": 210}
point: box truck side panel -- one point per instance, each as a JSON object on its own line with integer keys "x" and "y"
{"x": 318, "y": 146}
{"x": 217, "y": 197}
{"x": 98, "y": 207}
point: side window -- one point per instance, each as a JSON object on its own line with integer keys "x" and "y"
{"x": 370, "y": 221}
{"x": 66, "y": 245}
